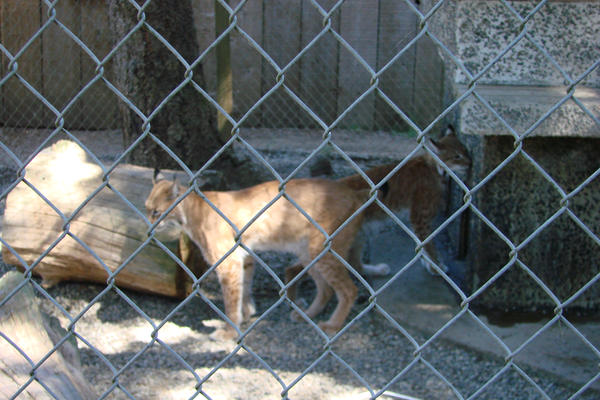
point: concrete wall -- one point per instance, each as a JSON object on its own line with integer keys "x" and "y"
{"x": 518, "y": 201}
{"x": 527, "y": 91}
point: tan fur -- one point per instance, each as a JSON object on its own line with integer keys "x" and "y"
{"x": 280, "y": 228}
{"x": 417, "y": 186}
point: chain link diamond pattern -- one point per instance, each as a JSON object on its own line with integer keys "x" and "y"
{"x": 14, "y": 73}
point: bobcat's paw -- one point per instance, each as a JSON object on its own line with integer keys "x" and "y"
{"x": 432, "y": 270}
{"x": 296, "y": 317}
{"x": 223, "y": 335}
{"x": 329, "y": 328}
{"x": 381, "y": 269}
{"x": 248, "y": 309}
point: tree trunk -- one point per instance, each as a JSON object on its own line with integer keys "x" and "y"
{"x": 23, "y": 323}
{"x": 146, "y": 72}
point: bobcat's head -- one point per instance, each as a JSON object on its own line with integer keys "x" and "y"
{"x": 452, "y": 152}
{"x": 161, "y": 197}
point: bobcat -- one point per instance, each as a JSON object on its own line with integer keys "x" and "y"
{"x": 416, "y": 186}
{"x": 282, "y": 227}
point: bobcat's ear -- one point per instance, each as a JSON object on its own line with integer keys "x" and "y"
{"x": 175, "y": 188}
{"x": 449, "y": 130}
{"x": 155, "y": 176}
{"x": 435, "y": 146}
{"x": 158, "y": 176}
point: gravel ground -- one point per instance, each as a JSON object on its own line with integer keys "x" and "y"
{"x": 371, "y": 347}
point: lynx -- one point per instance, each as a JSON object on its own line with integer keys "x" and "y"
{"x": 417, "y": 187}
{"x": 282, "y": 227}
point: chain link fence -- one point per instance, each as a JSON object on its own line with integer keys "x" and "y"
{"x": 336, "y": 67}
{"x": 320, "y": 77}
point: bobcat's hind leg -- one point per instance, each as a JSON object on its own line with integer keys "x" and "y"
{"x": 381, "y": 269}
{"x": 290, "y": 273}
{"x": 420, "y": 218}
{"x": 355, "y": 260}
{"x": 336, "y": 276}
{"x": 324, "y": 293}
{"x": 429, "y": 249}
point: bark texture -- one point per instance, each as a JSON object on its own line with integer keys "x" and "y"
{"x": 87, "y": 243}
{"x": 23, "y": 323}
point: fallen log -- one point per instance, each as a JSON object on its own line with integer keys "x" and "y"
{"x": 59, "y": 376}
{"x": 66, "y": 207}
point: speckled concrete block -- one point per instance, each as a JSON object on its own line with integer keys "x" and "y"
{"x": 518, "y": 201}
{"x": 525, "y": 70}
{"x": 559, "y": 41}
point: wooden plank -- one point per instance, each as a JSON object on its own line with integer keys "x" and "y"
{"x": 397, "y": 27}
{"x": 246, "y": 63}
{"x": 98, "y": 105}
{"x": 21, "y": 20}
{"x": 429, "y": 82}
{"x": 281, "y": 40}
{"x": 204, "y": 21}
{"x": 22, "y": 322}
{"x": 224, "y": 72}
{"x": 319, "y": 74}
{"x": 358, "y": 26}
{"x": 61, "y": 62}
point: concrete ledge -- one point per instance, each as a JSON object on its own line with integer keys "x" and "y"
{"x": 523, "y": 106}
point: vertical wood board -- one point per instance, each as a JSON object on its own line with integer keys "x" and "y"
{"x": 397, "y": 27}
{"x": 21, "y": 20}
{"x": 282, "y": 41}
{"x": 358, "y": 27}
{"x": 61, "y": 64}
{"x": 246, "y": 63}
{"x": 429, "y": 82}
{"x": 319, "y": 80}
{"x": 98, "y": 105}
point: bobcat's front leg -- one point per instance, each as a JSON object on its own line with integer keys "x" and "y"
{"x": 231, "y": 277}
{"x": 248, "y": 306}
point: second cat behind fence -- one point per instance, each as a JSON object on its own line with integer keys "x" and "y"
{"x": 418, "y": 187}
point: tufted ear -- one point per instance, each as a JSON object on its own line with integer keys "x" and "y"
{"x": 158, "y": 176}
{"x": 435, "y": 146}
{"x": 449, "y": 130}
{"x": 175, "y": 190}
{"x": 175, "y": 187}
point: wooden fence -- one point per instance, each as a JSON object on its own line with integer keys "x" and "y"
{"x": 328, "y": 78}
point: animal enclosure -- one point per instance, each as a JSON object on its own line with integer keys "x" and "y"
{"x": 280, "y": 90}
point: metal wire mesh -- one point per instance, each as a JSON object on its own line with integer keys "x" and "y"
{"x": 283, "y": 97}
